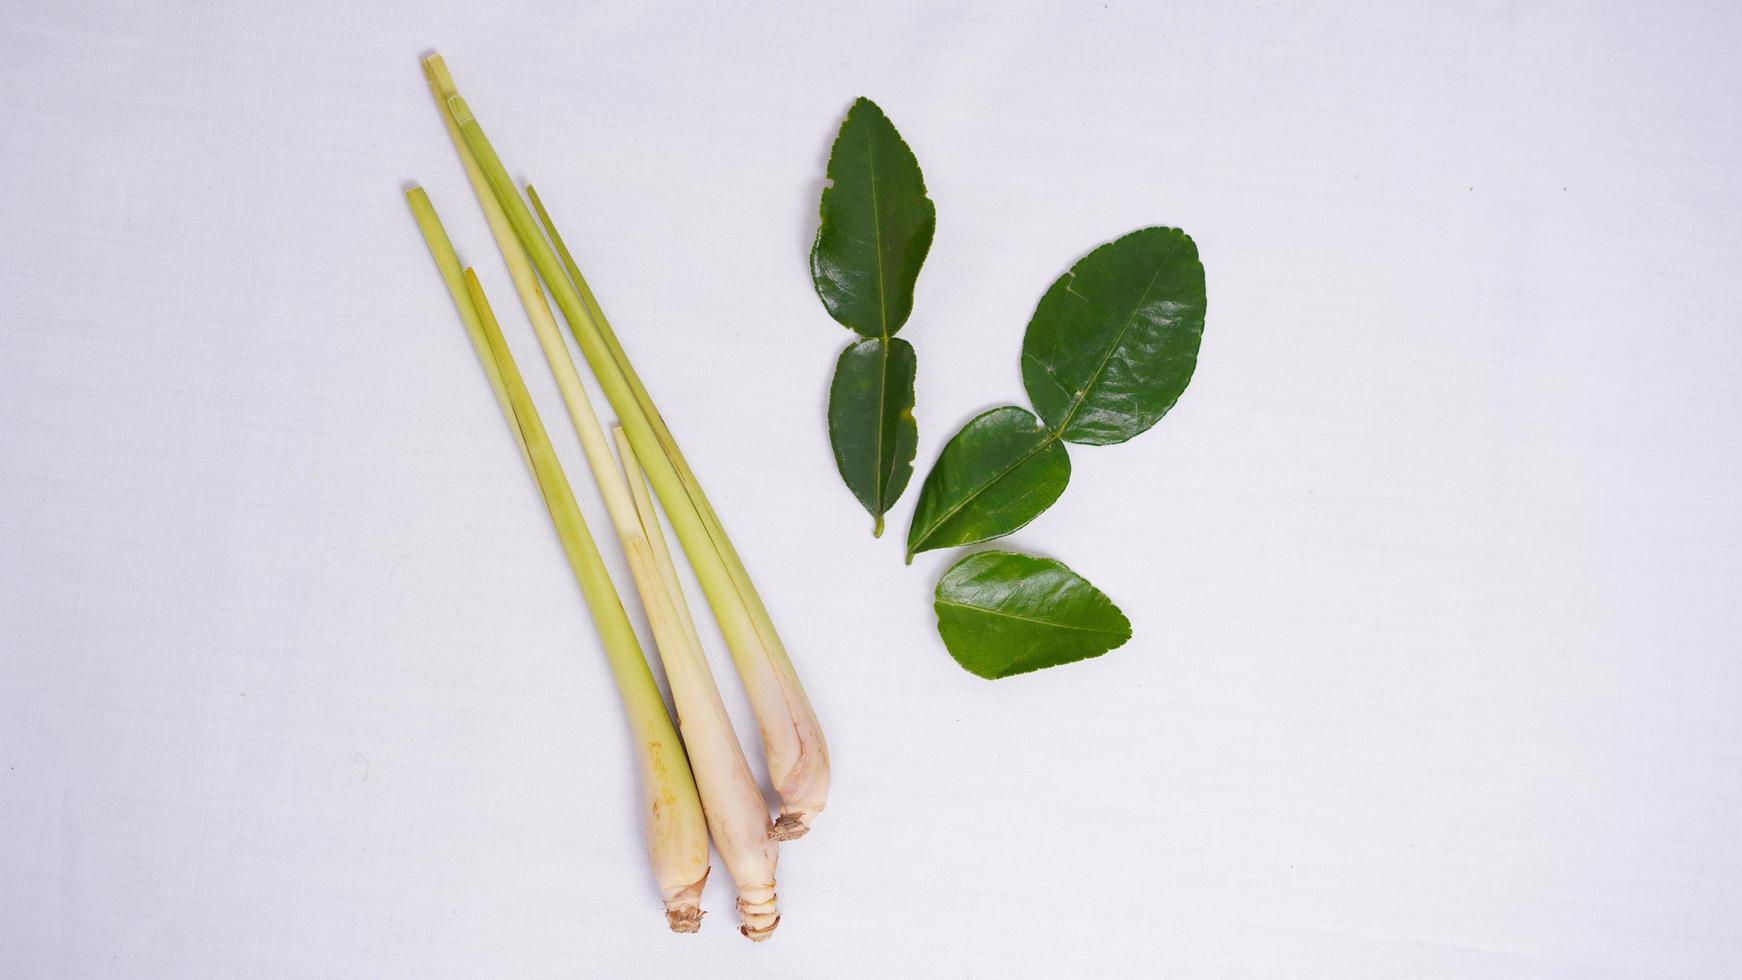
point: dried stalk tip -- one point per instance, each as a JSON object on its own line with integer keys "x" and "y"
{"x": 760, "y": 934}
{"x": 683, "y": 911}
{"x": 790, "y": 826}
{"x": 687, "y": 918}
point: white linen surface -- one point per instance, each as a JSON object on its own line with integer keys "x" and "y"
{"x": 1433, "y": 570}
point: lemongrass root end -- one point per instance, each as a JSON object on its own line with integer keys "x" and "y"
{"x": 759, "y": 935}
{"x": 761, "y": 918}
{"x": 683, "y": 918}
{"x": 683, "y": 911}
{"x": 759, "y": 908}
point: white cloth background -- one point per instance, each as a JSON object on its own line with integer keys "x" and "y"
{"x": 1433, "y": 570}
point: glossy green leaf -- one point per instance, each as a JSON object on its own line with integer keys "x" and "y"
{"x": 1113, "y": 343}
{"x": 875, "y": 231}
{"x": 871, "y": 422}
{"x": 876, "y": 226}
{"x": 994, "y": 476}
{"x": 1001, "y": 614}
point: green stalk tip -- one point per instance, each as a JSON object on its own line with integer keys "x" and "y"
{"x": 434, "y": 68}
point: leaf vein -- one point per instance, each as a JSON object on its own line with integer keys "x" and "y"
{"x": 1028, "y": 619}
{"x": 982, "y": 488}
{"x": 1095, "y": 378}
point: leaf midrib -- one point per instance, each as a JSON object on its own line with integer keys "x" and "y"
{"x": 1053, "y": 434}
{"x": 1100, "y": 369}
{"x": 1026, "y": 619}
{"x": 950, "y": 514}
{"x": 881, "y": 476}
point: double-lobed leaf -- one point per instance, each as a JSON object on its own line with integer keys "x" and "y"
{"x": 1110, "y": 347}
{"x": 871, "y": 425}
{"x": 993, "y": 477}
{"x": 876, "y": 227}
{"x": 1114, "y": 341}
{"x": 1001, "y": 614}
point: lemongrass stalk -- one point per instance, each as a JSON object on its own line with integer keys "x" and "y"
{"x": 692, "y": 486}
{"x": 668, "y": 442}
{"x": 737, "y": 814}
{"x": 676, "y": 828}
{"x": 677, "y": 835}
{"x": 797, "y": 756}
{"x": 568, "y": 380}
{"x": 448, "y": 263}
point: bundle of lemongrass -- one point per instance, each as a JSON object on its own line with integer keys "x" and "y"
{"x": 704, "y": 784}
